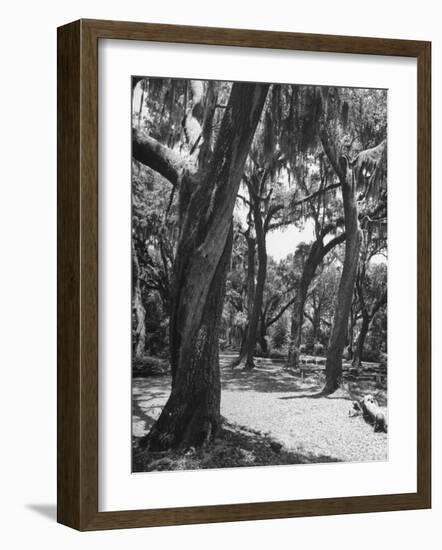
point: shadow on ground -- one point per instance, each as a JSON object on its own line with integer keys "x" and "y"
{"x": 48, "y": 511}
{"x": 349, "y": 392}
{"x": 297, "y": 423}
{"x": 267, "y": 376}
{"x": 235, "y": 446}
{"x": 148, "y": 398}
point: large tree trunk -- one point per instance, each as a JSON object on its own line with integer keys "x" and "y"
{"x": 192, "y": 414}
{"x": 333, "y": 368}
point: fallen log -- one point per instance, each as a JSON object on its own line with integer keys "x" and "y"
{"x": 373, "y": 414}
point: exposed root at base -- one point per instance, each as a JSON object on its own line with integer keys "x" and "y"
{"x": 235, "y": 446}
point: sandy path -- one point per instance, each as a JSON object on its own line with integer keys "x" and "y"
{"x": 276, "y": 403}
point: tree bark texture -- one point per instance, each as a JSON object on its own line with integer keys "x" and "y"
{"x": 333, "y": 368}
{"x": 191, "y": 416}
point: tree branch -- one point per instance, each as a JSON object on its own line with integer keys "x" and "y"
{"x": 315, "y": 194}
{"x": 272, "y": 211}
{"x": 280, "y": 313}
{"x": 378, "y": 304}
{"x": 309, "y": 317}
{"x": 245, "y": 201}
{"x": 160, "y": 158}
{"x": 331, "y": 227}
{"x": 334, "y": 242}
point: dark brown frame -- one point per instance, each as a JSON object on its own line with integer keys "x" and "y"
{"x": 77, "y": 224}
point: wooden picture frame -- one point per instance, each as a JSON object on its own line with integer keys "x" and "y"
{"x": 77, "y": 460}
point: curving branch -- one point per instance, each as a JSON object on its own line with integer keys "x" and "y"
{"x": 160, "y": 158}
{"x": 271, "y": 212}
{"x": 284, "y": 308}
{"x": 334, "y": 242}
{"x": 315, "y": 194}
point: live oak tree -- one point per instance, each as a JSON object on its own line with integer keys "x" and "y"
{"x": 338, "y": 121}
{"x": 319, "y": 308}
{"x": 204, "y": 142}
{"x": 362, "y": 175}
{"x": 278, "y": 294}
{"x": 234, "y": 319}
{"x": 207, "y": 180}
{"x": 324, "y": 211}
{"x": 319, "y": 123}
{"x": 261, "y": 213}
{"x": 268, "y": 158}
{"x": 272, "y": 158}
{"x": 371, "y": 280}
{"x": 281, "y": 284}
{"x": 333, "y": 368}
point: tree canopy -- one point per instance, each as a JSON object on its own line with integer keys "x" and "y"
{"x": 217, "y": 167}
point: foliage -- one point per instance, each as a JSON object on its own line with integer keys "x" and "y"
{"x": 286, "y": 165}
{"x": 280, "y": 333}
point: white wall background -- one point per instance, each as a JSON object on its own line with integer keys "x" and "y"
{"x": 28, "y": 272}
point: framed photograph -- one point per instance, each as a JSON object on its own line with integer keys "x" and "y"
{"x": 243, "y": 275}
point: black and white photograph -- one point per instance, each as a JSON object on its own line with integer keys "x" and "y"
{"x": 259, "y": 274}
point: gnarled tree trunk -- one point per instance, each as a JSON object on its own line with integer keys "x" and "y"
{"x": 333, "y": 367}
{"x": 191, "y": 416}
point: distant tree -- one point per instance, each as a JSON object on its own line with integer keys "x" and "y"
{"x": 282, "y": 281}
{"x": 362, "y": 174}
{"x": 371, "y": 281}
{"x": 328, "y": 235}
{"x": 266, "y": 200}
{"x": 262, "y": 210}
{"x": 153, "y": 239}
{"x": 235, "y": 306}
{"x": 280, "y": 333}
